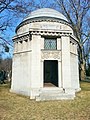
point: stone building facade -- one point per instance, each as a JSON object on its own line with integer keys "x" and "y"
{"x": 45, "y": 61}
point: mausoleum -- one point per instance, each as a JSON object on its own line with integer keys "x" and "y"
{"x": 45, "y": 59}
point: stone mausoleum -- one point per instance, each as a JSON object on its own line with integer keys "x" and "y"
{"x": 45, "y": 61}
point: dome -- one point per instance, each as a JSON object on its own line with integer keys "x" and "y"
{"x": 46, "y": 12}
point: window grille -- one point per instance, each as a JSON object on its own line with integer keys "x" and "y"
{"x": 50, "y": 44}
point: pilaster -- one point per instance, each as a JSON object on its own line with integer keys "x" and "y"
{"x": 42, "y": 73}
{"x": 35, "y": 61}
{"x": 58, "y": 43}
{"x": 59, "y": 74}
{"x": 66, "y": 72}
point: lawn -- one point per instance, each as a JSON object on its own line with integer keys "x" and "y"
{"x": 17, "y": 107}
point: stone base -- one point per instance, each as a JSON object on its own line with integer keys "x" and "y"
{"x": 34, "y": 92}
{"x": 49, "y": 93}
{"x": 78, "y": 90}
{"x": 26, "y": 93}
{"x": 70, "y": 91}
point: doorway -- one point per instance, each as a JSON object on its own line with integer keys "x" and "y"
{"x": 50, "y": 73}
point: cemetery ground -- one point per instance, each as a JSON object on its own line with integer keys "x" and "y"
{"x": 18, "y": 107}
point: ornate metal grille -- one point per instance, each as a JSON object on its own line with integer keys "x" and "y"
{"x": 50, "y": 44}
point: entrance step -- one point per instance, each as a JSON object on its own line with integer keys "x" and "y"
{"x": 53, "y": 94}
{"x": 51, "y": 90}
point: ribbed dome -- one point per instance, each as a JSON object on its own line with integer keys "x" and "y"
{"x": 46, "y": 12}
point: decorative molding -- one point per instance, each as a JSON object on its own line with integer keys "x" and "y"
{"x": 22, "y": 52}
{"x": 50, "y": 54}
{"x": 21, "y": 37}
{"x": 50, "y": 32}
{"x": 73, "y": 40}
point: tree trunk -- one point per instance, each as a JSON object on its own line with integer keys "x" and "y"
{"x": 82, "y": 71}
{"x": 82, "y": 64}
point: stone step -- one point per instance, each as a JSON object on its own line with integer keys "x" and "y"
{"x": 44, "y": 97}
{"x": 51, "y": 90}
{"x": 53, "y": 94}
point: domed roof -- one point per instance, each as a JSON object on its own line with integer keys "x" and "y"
{"x": 46, "y": 12}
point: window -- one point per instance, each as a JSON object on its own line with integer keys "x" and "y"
{"x": 50, "y": 44}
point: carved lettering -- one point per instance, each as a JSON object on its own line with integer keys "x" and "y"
{"x": 47, "y": 26}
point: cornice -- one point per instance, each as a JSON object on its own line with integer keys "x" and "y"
{"x": 73, "y": 40}
{"x": 21, "y": 37}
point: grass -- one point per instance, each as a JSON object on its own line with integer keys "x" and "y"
{"x": 17, "y": 107}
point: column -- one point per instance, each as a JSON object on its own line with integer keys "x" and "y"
{"x": 19, "y": 46}
{"x": 25, "y": 45}
{"x": 35, "y": 59}
{"x": 15, "y": 47}
{"x": 35, "y": 66}
{"x": 42, "y": 43}
{"x": 77, "y": 86}
{"x": 59, "y": 74}
{"x": 66, "y": 72}
{"x": 58, "y": 43}
{"x": 42, "y": 75}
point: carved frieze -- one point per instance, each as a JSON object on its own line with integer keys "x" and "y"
{"x": 51, "y": 55}
{"x": 50, "y": 32}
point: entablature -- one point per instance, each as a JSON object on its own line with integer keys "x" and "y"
{"x": 43, "y": 32}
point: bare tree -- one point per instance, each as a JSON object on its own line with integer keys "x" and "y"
{"x": 12, "y": 11}
{"x": 6, "y": 64}
{"x": 77, "y": 13}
